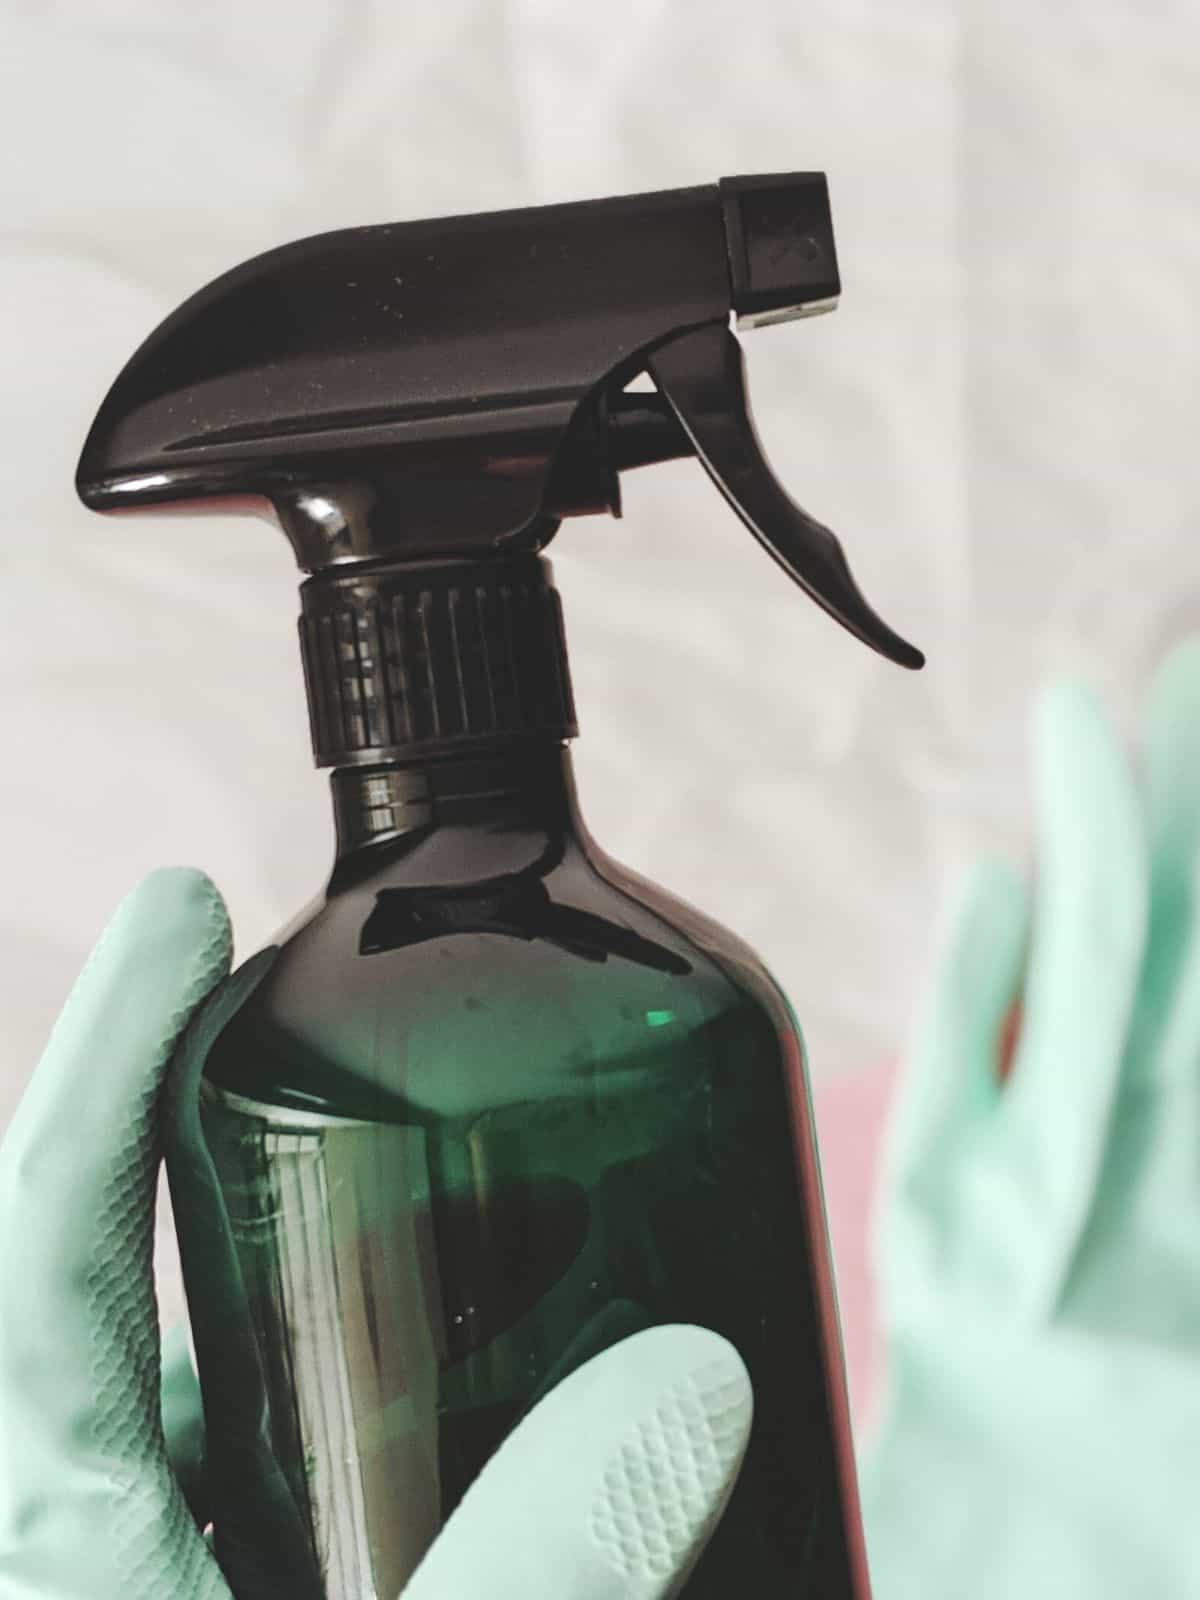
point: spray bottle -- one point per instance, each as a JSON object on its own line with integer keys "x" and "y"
{"x": 496, "y": 1101}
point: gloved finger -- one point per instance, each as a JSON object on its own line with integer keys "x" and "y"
{"x": 951, "y": 1076}
{"x": 183, "y": 1424}
{"x": 83, "y": 1468}
{"x": 1166, "y": 1039}
{"x": 611, "y": 1486}
{"x": 1084, "y": 965}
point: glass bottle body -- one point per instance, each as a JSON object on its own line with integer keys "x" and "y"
{"x": 497, "y": 1105}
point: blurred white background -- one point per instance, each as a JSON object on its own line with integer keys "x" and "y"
{"x": 1000, "y": 421}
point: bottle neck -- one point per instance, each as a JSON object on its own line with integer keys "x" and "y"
{"x": 491, "y": 809}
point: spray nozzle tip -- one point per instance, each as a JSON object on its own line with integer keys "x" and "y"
{"x": 779, "y": 235}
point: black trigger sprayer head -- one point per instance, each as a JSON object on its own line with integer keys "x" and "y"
{"x": 446, "y": 392}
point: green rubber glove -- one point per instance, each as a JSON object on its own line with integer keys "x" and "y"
{"x": 1039, "y": 1239}
{"x": 98, "y": 1499}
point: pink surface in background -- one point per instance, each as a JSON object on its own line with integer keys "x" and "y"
{"x": 851, "y": 1111}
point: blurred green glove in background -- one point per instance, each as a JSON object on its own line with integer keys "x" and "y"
{"x": 1038, "y": 1240}
{"x": 98, "y": 1500}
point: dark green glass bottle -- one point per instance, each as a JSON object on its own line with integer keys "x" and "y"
{"x": 498, "y": 1104}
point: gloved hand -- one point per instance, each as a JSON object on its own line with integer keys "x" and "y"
{"x": 91, "y": 1506}
{"x": 1039, "y": 1238}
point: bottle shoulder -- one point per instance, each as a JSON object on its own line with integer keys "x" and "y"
{"x": 727, "y": 950}
{"x": 572, "y": 967}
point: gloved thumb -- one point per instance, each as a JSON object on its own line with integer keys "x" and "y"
{"x": 84, "y": 1477}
